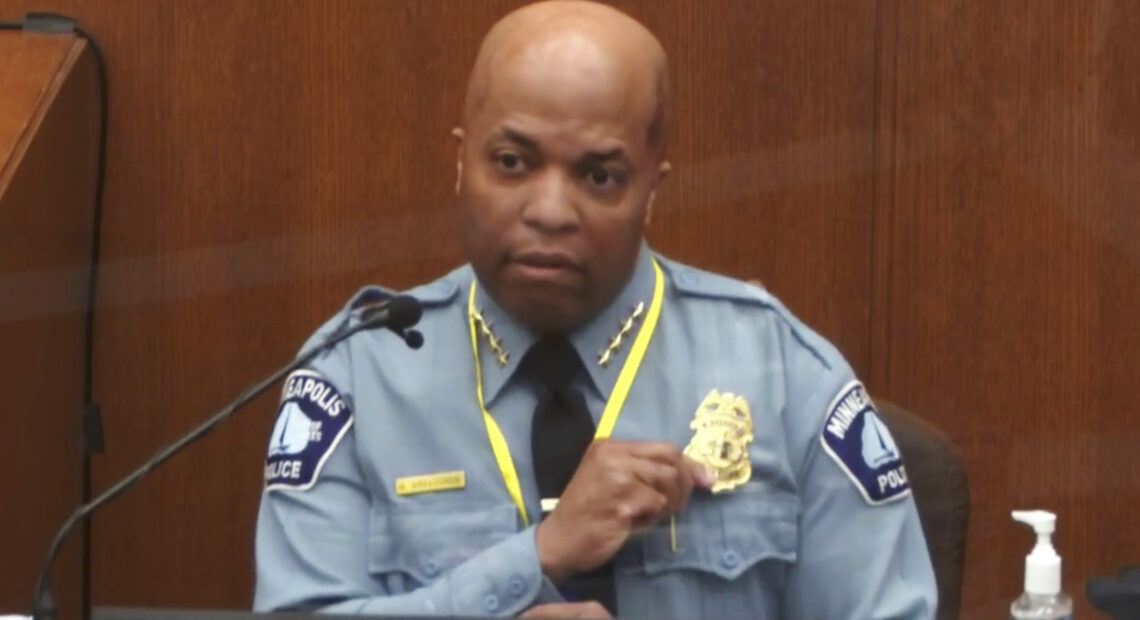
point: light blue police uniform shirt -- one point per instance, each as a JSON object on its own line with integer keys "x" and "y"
{"x": 825, "y": 527}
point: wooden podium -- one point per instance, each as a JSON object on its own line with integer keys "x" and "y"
{"x": 49, "y": 128}
{"x": 125, "y": 613}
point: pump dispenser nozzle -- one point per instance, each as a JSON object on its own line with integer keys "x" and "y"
{"x": 1042, "y": 565}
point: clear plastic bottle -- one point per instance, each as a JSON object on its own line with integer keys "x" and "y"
{"x": 1042, "y": 606}
{"x": 1042, "y": 599}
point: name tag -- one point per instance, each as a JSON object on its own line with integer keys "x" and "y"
{"x": 430, "y": 483}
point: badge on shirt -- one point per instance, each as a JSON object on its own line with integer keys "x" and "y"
{"x": 722, "y": 430}
{"x": 310, "y": 423}
{"x": 862, "y": 446}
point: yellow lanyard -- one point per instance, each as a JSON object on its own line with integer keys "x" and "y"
{"x": 613, "y": 407}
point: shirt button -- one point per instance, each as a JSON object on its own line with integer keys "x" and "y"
{"x": 431, "y": 569}
{"x": 490, "y": 602}
{"x": 730, "y": 558}
{"x": 686, "y": 278}
{"x": 516, "y": 586}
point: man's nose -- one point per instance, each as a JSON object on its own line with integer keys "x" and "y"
{"x": 550, "y": 207}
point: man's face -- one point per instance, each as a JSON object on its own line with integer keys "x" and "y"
{"x": 555, "y": 184}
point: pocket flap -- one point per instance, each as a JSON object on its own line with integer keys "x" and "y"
{"x": 726, "y": 534}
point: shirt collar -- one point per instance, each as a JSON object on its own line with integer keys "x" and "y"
{"x": 513, "y": 338}
{"x": 600, "y": 334}
{"x": 590, "y": 340}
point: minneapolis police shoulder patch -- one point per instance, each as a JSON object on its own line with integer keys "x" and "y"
{"x": 862, "y": 446}
{"x": 310, "y": 423}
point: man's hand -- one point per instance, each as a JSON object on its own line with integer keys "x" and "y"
{"x": 619, "y": 487}
{"x": 584, "y": 609}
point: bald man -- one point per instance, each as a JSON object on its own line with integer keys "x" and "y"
{"x": 591, "y": 428}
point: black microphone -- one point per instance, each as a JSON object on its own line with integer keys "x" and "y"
{"x": 399, "y": 314}
{"x": 413, "y": 339}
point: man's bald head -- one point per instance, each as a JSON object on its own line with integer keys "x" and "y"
{"x": 560, "y": 154}
{"x": 575, "y": 39}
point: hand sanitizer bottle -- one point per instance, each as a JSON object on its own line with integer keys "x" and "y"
{"x": 1042, "y": 598}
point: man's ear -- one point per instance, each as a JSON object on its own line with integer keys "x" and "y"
{"x": 662, "y": 171}
{"x": 459, "y": 135}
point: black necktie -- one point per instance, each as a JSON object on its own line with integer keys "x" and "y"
{"x": 561, "y": 430}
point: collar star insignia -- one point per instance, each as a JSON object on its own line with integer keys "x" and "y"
{"x": 496, "y": 345}
{"x": 607, "y": 354}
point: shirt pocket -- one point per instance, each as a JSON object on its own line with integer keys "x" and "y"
{"x": 726, "y": 556}
{"x": 423, "y": 543}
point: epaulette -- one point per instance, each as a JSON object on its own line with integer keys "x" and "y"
{"x": 366, "y": 297}
{"x": 437, "y": 293}
{"x": 699, "y": 283}
{"x": 369, "y": 296}
{"x": 431, "y": 294}
{"x": 693, "y": 282}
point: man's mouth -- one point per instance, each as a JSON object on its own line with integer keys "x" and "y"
{"x": 546, "y": 259}
{"x": 544, "y": 265}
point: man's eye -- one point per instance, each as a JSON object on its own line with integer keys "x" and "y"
{"x": 603, "y": 178}
{"x": 510, "y": 162}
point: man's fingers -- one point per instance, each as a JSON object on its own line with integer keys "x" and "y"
{"x": 685, "y": 473}
{"x": 702, "y": 476}
{"x": 583, "y": 609}
{"x": 665, "y": 452}
{"x": 674, "y": 483}
{"x": 662, "y": 451}
{"x": 658, "y": 464}
{"x": 642, "y": 505}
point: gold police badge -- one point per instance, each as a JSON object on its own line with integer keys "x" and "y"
{"x": 722, "y": 430}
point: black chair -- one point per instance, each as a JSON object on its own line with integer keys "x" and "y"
{"x": 942, "y": 493}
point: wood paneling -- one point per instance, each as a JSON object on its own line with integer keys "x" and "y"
{"x": 32, "y": 63}
{"x": 1013, "y": 280}
{"x": 946, "y": 190}
{"x": 266, "y": 160}
{"x": 48, "y": 135}
{"x": 773, "y": 158}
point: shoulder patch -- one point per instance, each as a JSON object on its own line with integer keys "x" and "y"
{"x": 311, "y": 421}
{"x": 860, "y": 444}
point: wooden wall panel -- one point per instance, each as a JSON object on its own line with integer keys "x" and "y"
{"x": 268, "y": 157}
{"x": 773, "y": 159}
{"x": 48, "y": 138}
{"x": 1012, "y": 275}
{"x": 959, "y": 177}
